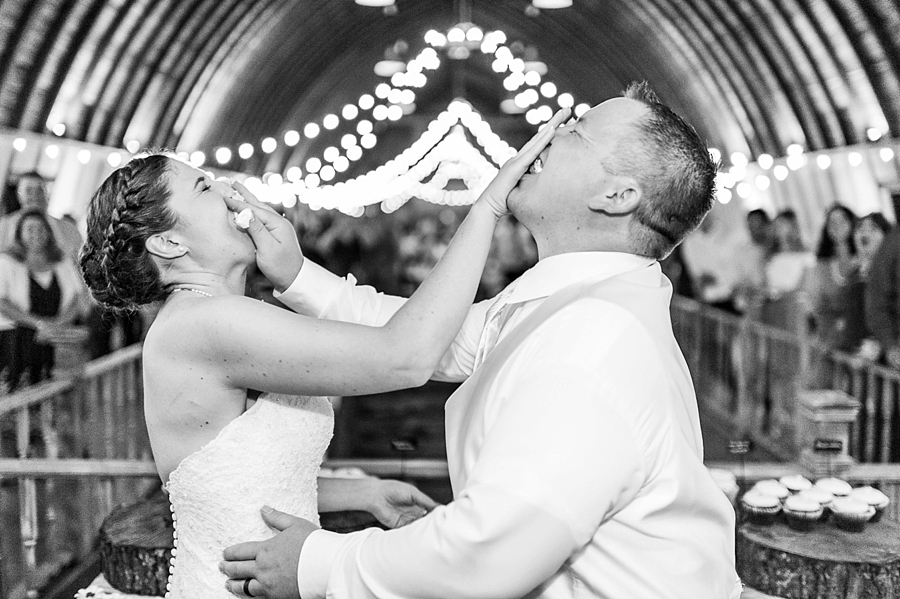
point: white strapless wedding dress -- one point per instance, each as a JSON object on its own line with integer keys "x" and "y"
{"x": 269, "y": 455}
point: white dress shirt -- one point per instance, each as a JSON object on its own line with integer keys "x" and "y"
{"x": 575, "y": 454}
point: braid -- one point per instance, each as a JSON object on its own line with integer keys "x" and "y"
{"x": 129, "y": 207}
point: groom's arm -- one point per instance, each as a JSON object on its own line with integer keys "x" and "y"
{"x": 526, "y": 507}
{"x": 319, "y": 293}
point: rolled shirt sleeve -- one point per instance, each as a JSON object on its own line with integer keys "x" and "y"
{"x": 319, "y": 293}
{"x": 558, "y": 461}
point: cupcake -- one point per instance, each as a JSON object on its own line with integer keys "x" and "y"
{"x": 850, "y": 514}
{"x": 760, "y": 508}
{"x": 726, "y": 481}
{"x": 872, "y": 497}
{"x": 795, "y": 482}
{"x": 772, "y": 487}
{"x": 801, "y": 513}
{"x": 822, "y": 496}
{"x": 835, "y": 486}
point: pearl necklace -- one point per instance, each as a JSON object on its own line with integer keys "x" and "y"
{"x": 191, "y": 289}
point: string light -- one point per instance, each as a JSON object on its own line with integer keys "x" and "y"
{"x": 311, "y": 130}
{"x": 331, "y": 121}
{"x": 19, "y": 144}
{"x": 223, "y": 155}
{"x": 854, "y": 158}
{"x": 52, "y": 151}
{"x": 114, "y": 159}
{"x": 291, "y": 138}
{"x": 84, "y": 156}
{"x": 400, "y": 100}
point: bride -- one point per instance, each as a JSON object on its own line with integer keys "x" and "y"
{"x": 160, "y": 230}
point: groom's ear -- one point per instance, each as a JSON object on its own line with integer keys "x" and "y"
{"x": 163, "y": 246}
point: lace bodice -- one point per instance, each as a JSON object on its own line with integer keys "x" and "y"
{"x": 269, "y": 455}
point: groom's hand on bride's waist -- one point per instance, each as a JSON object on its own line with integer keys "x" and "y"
{"x": 271, "y": 565}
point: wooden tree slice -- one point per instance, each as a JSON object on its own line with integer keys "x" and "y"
{"x": 825, "y": 563}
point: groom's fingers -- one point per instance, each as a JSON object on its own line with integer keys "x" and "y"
{"x": 278, "y": 520}
{"x": 242, "y": 551}
{"x": 237, "y": 587}
{"x": 238, "y": 570}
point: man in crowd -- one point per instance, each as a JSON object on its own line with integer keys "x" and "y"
{"x": 574, "y": 445}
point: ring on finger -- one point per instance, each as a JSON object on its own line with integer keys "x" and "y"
{"x": 247, "y": 587}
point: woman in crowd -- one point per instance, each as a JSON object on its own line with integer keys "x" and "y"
{"x": 41, "y": 295}
{"x": 868, "y": 234}
{"x": 784, "y": 273}
{"x": 827, "y": 283}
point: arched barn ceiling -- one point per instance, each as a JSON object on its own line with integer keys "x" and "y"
{"x": 752, "y": 75}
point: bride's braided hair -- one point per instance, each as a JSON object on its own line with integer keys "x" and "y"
{"x": 130, "y": 206}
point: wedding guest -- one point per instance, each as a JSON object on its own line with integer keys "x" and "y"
{"x": 883, "y": 297}
{"x": 868, "y": 235}
{"x": 785, "y": 304}
{"x": 827, "y": 283}
{"x": 713, "y": 258}
{"x": 574, "y": 447}
{"x": 41, "y": 295}
{"x": 754, "y": 251}
{"x": 31, "y": 191}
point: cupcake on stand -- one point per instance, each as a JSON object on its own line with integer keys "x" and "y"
{"x": 850, "y": 514}
{"x": 873, "y": 497}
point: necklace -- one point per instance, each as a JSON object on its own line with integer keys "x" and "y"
{"x": 191, "y": 289}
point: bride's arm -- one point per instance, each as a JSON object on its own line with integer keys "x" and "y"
{"x": 392, "y": 502}
{"x": 253, "y": 345}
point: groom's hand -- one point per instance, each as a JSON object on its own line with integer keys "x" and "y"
{"x": 271, "y": 565}
{"x": 278, "y": 253}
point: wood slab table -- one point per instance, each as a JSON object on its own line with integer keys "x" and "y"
{"x": 825, "y": 563}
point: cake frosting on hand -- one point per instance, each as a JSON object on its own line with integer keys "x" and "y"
{"x": 243, "y": 218}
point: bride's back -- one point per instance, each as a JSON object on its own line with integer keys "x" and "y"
{"x": 222, "y": 462}
{"x": 187, "y": 399}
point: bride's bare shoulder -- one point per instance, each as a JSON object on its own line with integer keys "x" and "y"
{"x": 190, "y": 322}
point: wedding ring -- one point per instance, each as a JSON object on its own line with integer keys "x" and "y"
{"x": 247, "y": 587}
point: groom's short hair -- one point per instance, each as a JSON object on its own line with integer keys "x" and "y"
{"x": 675, "y": 170}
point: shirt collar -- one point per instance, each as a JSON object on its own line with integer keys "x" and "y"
{"x": 557, "y": 272}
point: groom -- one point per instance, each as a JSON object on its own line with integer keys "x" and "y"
{"x": 574, "y": 445}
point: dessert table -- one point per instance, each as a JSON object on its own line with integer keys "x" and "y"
{"x": 824, "y": 563}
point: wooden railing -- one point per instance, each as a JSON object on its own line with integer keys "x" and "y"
{"x": 70, "y": 450}
{"x": 749, "y": 374}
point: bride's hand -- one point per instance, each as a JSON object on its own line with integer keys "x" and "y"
{"x": 396, "y": 503}
{"x": 278, "y": 253}
{"x": 498, "y": 190}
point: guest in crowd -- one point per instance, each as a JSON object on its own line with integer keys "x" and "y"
{"x": 711, "y": 257}
{"x": 784, "y": 306}
{"x": 883, "y": 299}
{"x": 828, "y": 283}
{"x": 41, "y": 294}
{"x": 31, "y": 191}
{"x": 753, "y": 253}
{"x": 868, "y": 235}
